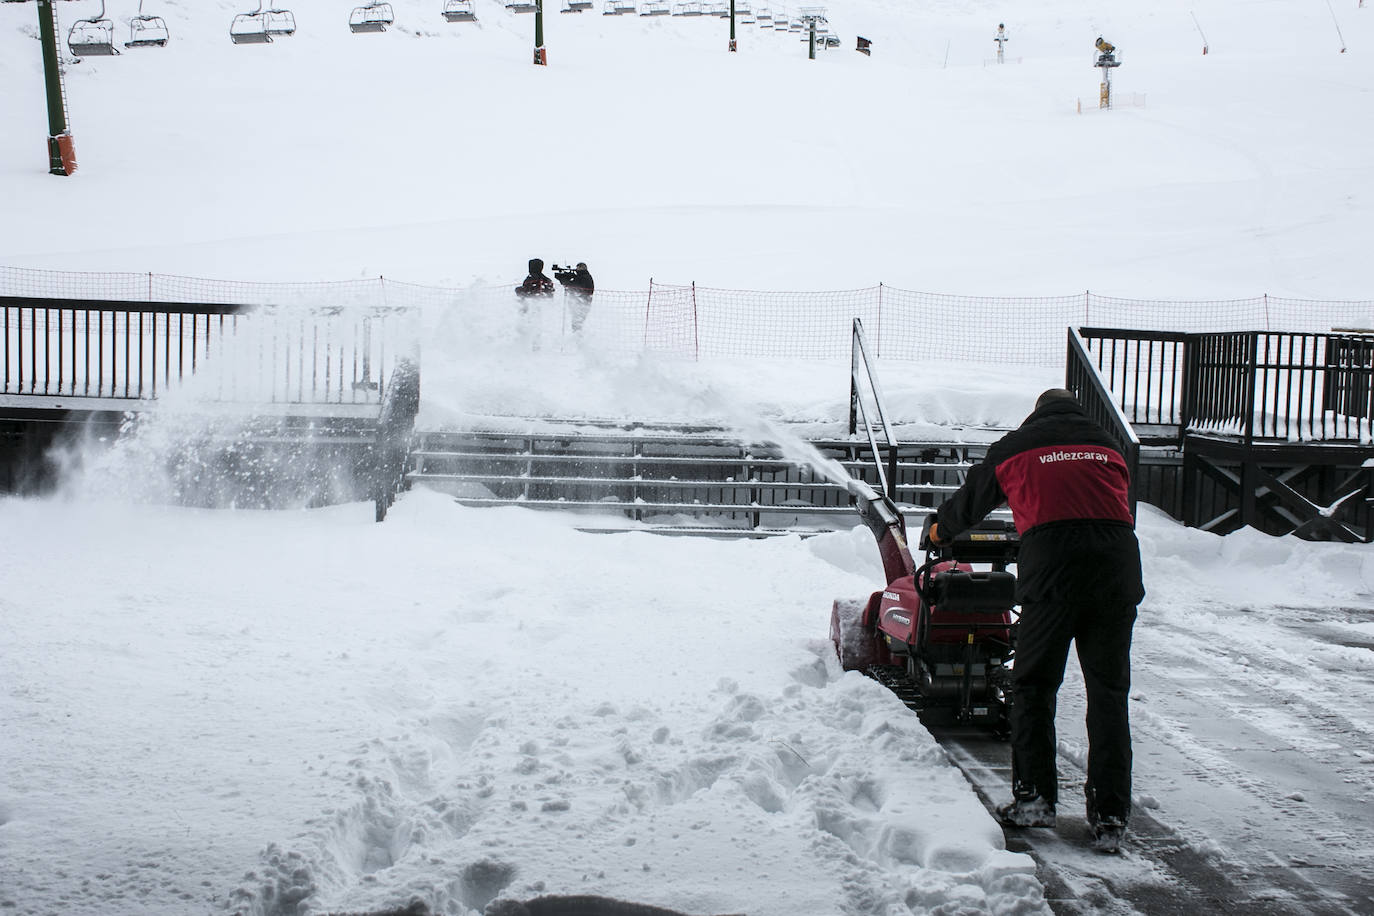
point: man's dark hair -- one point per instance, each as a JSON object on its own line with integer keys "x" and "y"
{"x": 1053, "y": 394}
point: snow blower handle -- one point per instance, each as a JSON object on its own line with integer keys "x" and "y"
{"x": 934, "y": 555}
{"x": 929, "y": 533}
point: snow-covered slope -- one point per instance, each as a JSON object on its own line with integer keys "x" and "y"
{"x": 438, "y": 153}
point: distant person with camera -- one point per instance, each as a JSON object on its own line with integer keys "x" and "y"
{"x": 579, "y": 286}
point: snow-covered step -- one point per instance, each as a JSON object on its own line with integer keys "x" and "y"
{"x": 641, "y": 507}
{"x": 662, "y": 475}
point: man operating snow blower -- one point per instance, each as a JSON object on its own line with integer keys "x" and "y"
{"x": 1078, "y": 580}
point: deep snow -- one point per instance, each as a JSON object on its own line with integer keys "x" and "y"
{"x": 247, "y": 711}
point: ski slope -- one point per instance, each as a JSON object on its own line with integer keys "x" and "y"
{"x": 437, "y": 153}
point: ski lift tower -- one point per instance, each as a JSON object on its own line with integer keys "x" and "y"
{"x": 811, "y": 18}
{"x": 1106, "y": 60}
{"x": 1001, "y": 39}
{"x": 541, "y": 54}
{"x": 61, "y": 152}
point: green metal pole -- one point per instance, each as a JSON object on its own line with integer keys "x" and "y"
{"x": 52, "y": 78}
{"x": 540, "y": 56}
{"x": 732, "y": 25}
{"x": 812, "y": 54}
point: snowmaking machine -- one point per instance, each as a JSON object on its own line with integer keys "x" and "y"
{"x": 941, "y": 636}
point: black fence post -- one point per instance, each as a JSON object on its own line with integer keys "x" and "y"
{"x": 1190, "y": 380}
{"x": 1248, "y": 399}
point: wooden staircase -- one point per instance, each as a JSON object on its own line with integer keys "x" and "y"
{"x": 672, "y": 479}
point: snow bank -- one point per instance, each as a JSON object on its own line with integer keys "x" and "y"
{"x": 476, "y": 368}
{"x": 1192, "y": 567}
{"x": 261, "y": 711}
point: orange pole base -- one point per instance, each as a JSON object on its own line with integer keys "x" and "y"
{"x": 61, "y": 155}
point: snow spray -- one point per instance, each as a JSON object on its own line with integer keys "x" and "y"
{"x": 218, "y": 436}
{"x": 755, "y": 428}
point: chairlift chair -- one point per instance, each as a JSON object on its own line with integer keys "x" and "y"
{"x": 92, "y": 37}
{"x": 655, "y": 8}
{"x": 146, "y": 31}
{"x": 459, "y": 11}
{"x": 280, "y": 22}
{"x": 374, "y": 17}
{"x": 250, "y": 28}
{"x": 576, "y": 6}
{"x": 764, "y": 15}
{"x": 688, "y": 8}
{"x": 520, "y": 6}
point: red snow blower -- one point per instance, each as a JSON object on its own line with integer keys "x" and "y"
{"x": 941, "y": 636}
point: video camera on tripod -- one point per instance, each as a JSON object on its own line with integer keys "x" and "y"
{"x": 571, "y": 276}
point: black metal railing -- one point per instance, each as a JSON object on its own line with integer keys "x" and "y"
{"x": 1247, "y": 385}
{"x": 139, "y": 350}
{"x": 1284, "y": 386}
{"x": 1086, "y": 379}
{"x": 864, "y": 396}
{"x": 1349, "y": 376}
{"x": 106, "y": 349}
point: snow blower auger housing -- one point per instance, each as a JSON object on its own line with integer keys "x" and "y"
{"x": 941, "y": 635}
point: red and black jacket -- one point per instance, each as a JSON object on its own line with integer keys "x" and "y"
{"x": 536, "y": 285}
{"x": 1066, "y": 483}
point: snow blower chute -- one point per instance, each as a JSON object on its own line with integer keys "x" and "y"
{"x": 941, "y": 636}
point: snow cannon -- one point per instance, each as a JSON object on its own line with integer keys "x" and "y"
{"x": 940, "y": 635}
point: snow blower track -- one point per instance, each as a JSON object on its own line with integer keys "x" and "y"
{"x": 1159, "y": 873}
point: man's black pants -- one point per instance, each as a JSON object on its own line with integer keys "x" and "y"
{"x": 1103, "y": 637}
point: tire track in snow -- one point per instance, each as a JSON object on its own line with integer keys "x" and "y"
{"x": 1254, "y": 733}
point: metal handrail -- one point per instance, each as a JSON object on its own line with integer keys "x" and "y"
{"x": 858, "y": 357}
{"x": 1082, "y": 377}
